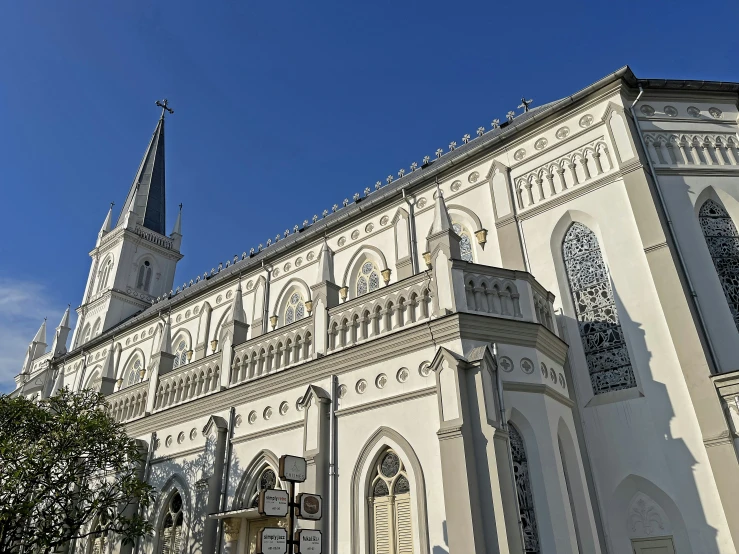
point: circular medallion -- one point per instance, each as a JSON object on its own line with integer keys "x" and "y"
{"x": 286, "y": 267}
{"x": 562, "y": 381}
{"x": 299, "y": 404}
{"x": 342, "y": 391}
{"x": 381, "y": 381}
{"x": 361, "y": 386}
{"x": 181, "y": 437}
{"x": 342, "y": 241}
{"x": 267, "y": 412}
{"x": 527, "y": 366}
{"x": 384, "y": 220}
{"x": 544, "y": 371}
{"x": 670, "y": 111}
{"x": 505, "y": 364}
{"x": 541, "y": 144}
{"x": 275, "y": 272}
{"x": 196, "y": 311}
{"x": 355, "y": 235}
{"x": 168, "y": 441}
{"x": 188, "y": 313}
{"x": 369, "y": 228}
{"x": 586, "y": 121}
{"x": 553, "y": 375}
{"x": 284, "y": 407}
{"x": 474, "y": 177}
{"x": 647, "y": 110}
{"x": 219, "y": 299}
{"x": 421, "y": 203}
{"x": 562, "y": 132}
{"x": 238, "y": 420}
{"x": 402, "y": 375}
{"x": 252, "y": 417}
{"x": 520, "y": 154}
{"x": 179, "y": 318}
{"x": 693, "y": 111}
{"x": 715, "y": 112}
{"x": 128, "y": 341}
{"x": 298, "y": 262}
{"x": 310, "y": 256}
{"x": 456, "y": 185}
{"x": 193, "y": 433}
{"x": 229, "y": 294}
{"x": 424, "y": 369}
{"x": 136, "y": 337}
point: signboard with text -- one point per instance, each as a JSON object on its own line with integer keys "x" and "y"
{"x": 272, "y": 540}
{"x": 293, "y": 468}
{"x": 310, "y": 506}
{"x": 273, "y": 502}
{"x": 309, "y": 541}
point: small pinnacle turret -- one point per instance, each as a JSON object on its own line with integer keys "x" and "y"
{"x": 59, "y": 346}
{"x": 442, "y": 222}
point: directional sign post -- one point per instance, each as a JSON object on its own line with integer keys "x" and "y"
{"x": 279, "y": 503}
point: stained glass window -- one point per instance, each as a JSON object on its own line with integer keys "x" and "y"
{"x": 523, "y": 491}
{"x": 266, "y": 480}
{"x": 391, "y": 522}
{"x": 465, "y": 244}
{"x": 368, "y": 279}
{"x": 602, "y": 337}
{"x": 295, "y": 309}
{"x": 723, "y": 245}
{"x": 172, "y": 526}
{"x": 180, "y": 353}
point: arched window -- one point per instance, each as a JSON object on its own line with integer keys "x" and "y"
{"x": 171, "y": 531}
{"x": 390, "y": 502}
{"x": 523, "y": 492}
{"x": 368, "y": 278}
{"x": 134, "y": 375}
{"x": 465, "y": 244}
{"x": 103, "y": 274}
{"x": 267, "y": 480}
{"x": 144, "y": 278}
{"x": 295, "y": 308}
{"x": 601, "y": 333}
{"x": 723, "y": 245}
{"x": 96, "y": 328}
{"x": 180, "y": 352}
{"x": 86, "y": 333}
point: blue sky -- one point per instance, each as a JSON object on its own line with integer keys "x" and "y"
{"x": 281, "y": 110}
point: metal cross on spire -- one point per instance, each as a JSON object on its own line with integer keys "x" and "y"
{"x": 164, "y": 104}
{"x": 524, "y": 104}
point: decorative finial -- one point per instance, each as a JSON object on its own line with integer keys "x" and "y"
{"x": 525, "y": 104}
{"x": 164, "y": 104}
{"x": 367, "y": 191}
{"x": 439, "y": 152}
{"x": 113, "y": 204}
{"x": 180, "y": 206}
{"x": 466, "y": 138}
{"x": 401, "y": 172}
{"x": 345, "y": 203}
{"x": 480, "y": 131}
{"x": 378, "y": 184}
{"x": 495, "y": 123}
{"x": 510, "y": 115}
{"x": 356, "y": 197}
{"x": 389, "y": 179}
{"x": 414, "y": 166}
{"x": 426, "y": 160}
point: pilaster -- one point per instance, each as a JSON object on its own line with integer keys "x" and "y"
{"x": 316, "y": 403}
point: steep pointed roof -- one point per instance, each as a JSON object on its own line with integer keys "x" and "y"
{"x": 41, "y": 334}
{"x": 442, "y": 221}
{"x": 146, "y": 198}
{"x": 108, "y": 219}
{"x": 65, "y": 318}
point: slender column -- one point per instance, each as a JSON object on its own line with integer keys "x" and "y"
{"x": 707, "y": 153}
{"x": 681, "y": 145}
{"x": 529, "y": 193}
{"x": 598, "y": 164}
{"x": 584, "y": 162}
{"x": 573, "y": 173}
{"x": 540, "y": 184}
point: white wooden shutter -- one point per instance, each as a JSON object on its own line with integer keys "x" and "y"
{"x": 403, "y": 525}
{"x": 382, "y": 523}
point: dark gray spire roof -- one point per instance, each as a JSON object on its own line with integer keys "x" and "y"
{"x": 147, "y": 195}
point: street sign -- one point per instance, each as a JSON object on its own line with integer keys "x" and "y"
{"x": 309, "y": 541}
{"x": 293, "y": 468}
{"x": 310, "y": 506}
{"x": 272, "y": 540}
{"x": 273, "y": 502}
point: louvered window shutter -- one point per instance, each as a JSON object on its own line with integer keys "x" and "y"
{"x": 382, "y": 523}
{"x": 167, "y": 540}
{"x": 403, "y": 525}
{"x": 177, "y": 536}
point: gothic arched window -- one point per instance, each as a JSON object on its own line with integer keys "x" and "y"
{"x": 601, "y": 333}
{"x": 103, "y": 274}
{"x": 523, "y": 492}
{"x": 267, "y": 480}
{"x": 723, "y": 244}
{"x": 465, "y": 244}
{"x": 180, "y": 353}
{"x": 368, "y": 278}
{"x": 143, "y": 281}
{"x": 96, "y": 328}
{"x": 295, "y": 308}
{"x": 86, "y": 333}
{"x": 390, "y": 502}
{"x": 134, "y": 375}
{"x": 171, "y": 531}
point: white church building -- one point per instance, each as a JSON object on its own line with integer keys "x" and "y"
{"x": 526, "y": 342}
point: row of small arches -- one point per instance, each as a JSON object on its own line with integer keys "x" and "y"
{"x": 266, "y": 359}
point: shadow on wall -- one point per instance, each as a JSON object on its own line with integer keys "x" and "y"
{"x": 442, "y": 549}
{"x": 192, "y": 477}
{"x": 638, "y": 507}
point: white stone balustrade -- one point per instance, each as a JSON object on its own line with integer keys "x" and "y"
{"x": 277, "y": 350}
{"x": 129, "y": 403}
{"x": 382, "y": 311}
{"x": 189, "y": 381}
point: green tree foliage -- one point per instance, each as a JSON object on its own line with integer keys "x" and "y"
{"x": 65, "y": 464}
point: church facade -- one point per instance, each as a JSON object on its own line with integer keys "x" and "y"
{"x": 524, "y": 343}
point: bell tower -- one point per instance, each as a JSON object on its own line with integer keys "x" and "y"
{"x": 134, "y": 261}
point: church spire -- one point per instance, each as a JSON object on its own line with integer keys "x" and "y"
{"x": 146, "y": 198}
{"x": 442, "y": 221}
